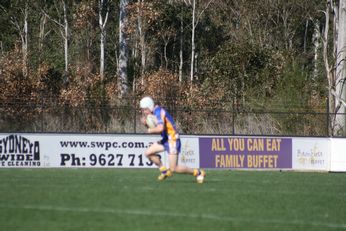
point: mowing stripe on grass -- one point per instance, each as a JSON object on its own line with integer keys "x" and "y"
{"x": 141, "y": 212}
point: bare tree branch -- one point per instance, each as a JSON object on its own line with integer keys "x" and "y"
{"x": 199, "y": 16}
{"x": 52, "y": 19}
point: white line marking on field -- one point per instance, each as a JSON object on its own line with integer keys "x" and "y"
{"x": 141, "y": 212}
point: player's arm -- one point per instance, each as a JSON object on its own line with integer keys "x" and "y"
{"x": 160, "y": 122}
{"x": 144, "y": 121}
{"x": 158, "y": 129}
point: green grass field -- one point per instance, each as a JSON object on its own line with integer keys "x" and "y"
{"x": 132, "y": 199}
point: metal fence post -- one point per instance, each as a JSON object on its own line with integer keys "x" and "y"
{"x": 135, "y": 115}
{"x": 42, "y": 110}
{"x": 233, "y": 115}
{"x": 328, "y": 118}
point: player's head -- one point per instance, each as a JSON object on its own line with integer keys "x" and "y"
{"x": 147, "y": 103}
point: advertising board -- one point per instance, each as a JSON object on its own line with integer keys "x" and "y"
{"x": 245, "y": 152}
{"x": 86, "y": 151}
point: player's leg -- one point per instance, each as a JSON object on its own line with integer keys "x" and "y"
{"x": 173, "y": 165}
{"x": 151, "y": 153}
{"x": 174, "y": 149}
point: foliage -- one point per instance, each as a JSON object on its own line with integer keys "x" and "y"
{"x": 160, "y": 85}
{"x": 248, "y": 54}
{"x": 239, "y": 70}
{"x": 15, "y": 91}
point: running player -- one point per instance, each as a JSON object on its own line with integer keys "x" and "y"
{"x": 170, "y": 141}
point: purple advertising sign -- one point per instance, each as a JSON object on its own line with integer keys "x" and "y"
{"x": 245, "y": 152}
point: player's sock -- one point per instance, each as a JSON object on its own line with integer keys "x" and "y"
{"x": 196, "y": 172}
{"x": 163, "y": 170}
{"x": 164, "y": 173}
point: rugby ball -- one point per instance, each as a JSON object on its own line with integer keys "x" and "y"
{"x": 151, "y": 121}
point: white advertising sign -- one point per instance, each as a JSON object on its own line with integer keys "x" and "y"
{"x": 338, "y": 155}
{"x": 85, "y": 151}
{"x": 189, "y": 155}
{"x": 311, "y": 154}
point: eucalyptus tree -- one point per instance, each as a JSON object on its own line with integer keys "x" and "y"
{"x": 335, "y": 63}
{"x": 103, "y": 18}
{"x": 197, "y": 13}
{"x": 123, "y": 48}
{"x": 59, "y": 15}
{"x": 17, "y": 14}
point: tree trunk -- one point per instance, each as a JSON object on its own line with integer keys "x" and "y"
{"x": 340, "y": 68}
{"x": 306, "y": 33}
{"x": 1, "y": 49}
{"x": 66, "y": 36}
{"x": 122, "y": 69}
{"x": 181, "y": 61}
{"x": 102, "y": 25}
{"x": 102, "y": 54}
{"x": 42, "y": 34}
{"x": 316, "y": 37}
{"x": 193, "y": 45}
{"x": 25, "y": 41}
{"x": 141, "y": 36}
{"x": 329, "y": 72}
{"x": 165, "y": 53}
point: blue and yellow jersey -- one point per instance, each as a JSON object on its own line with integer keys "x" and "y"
{"x": 163, "y": 117}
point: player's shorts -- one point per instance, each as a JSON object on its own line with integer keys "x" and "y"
{"x": 171, "y": 146}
